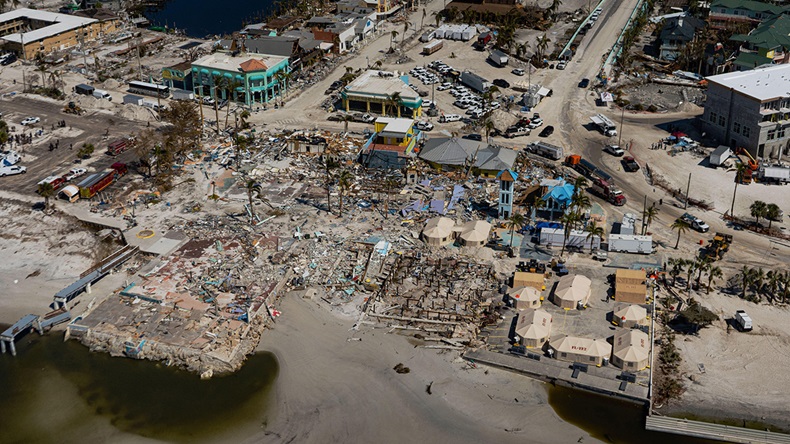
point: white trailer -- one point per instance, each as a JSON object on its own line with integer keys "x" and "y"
{"x": 577, "y": 238}
{"x": 180, "y": 94}
{"x": 776, "y": 174}
{"x": 630, "y": 243}
{"x": 498, "y": 58}
{"x": 628, "y": 224}
{"x": 132, "y": 99}
{"x": 719, "y": 155}
{"x": 432, "y": 47}
{"x": 547, "y": 150}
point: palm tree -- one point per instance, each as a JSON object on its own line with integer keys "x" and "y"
{"x": 774, "y": 279}
{"x": 217, "y": 84}
{"x": 747, "y": 278}
{"x": 650, "y": 214}
{"x": 771, "y": 213}
{"x": 593, "y": 230}
{"x": 46, "y": 190}
{"x": 422, "y": 20}
{"x": 677, "y": 265}
{"x": 691, "y": 267}
{"x": 758, "y": 209}
{"x": 344, "y": 182}
{"x": 43, "y": 70}
{"x": 740, "y": 171}
{"x": 252, "y": 187}
{"x": 394, "y": 101}
{"x": 489, "y": 126}
{"x": 233, "y": 85}
{"x": 785, "y": 286}
{"x": 378, "y": 64}
{"x": 581, "y": 202}
{"x": 542, "y": 45}
{"x": 714, "y": 273}
{"x": 703, "y": 265}
{"x": 568, "y": 220}
{"x": 580, "y": 184}
{"x": 555, "y": 5}
{"x": 758, "y": 279}
{"x": 681, "y": 227}
{"x": 516, "y": 220}
{"x": 393, "y": 34}
{"x": 243, "y": 116}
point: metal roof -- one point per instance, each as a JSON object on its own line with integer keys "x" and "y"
{"x": 58, "y": 23}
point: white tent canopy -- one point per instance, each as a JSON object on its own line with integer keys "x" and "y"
{"x": 631, "y": 349}
{"x": 572, "y": 290}
{"x": 583, "y": 350}
{"x": 629, "y": 315}
{"x": 438, "y": 231}
{"x": 475, "y": 233}
{"x": 525, "y": 297}
{"x": 533, "y": 327}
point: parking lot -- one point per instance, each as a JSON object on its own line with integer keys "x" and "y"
{"x": 97, "y": 128}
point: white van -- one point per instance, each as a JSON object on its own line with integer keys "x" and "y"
{"x": 450, "y": 118}
{"x": 102, "y": 94}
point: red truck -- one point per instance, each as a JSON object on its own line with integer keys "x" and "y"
{"x": 608, "y": 191}
{"x": 118, "y": 146}
{"x": 99, "y": 181}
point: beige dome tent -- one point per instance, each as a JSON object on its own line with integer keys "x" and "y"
{"x": 525, "y": 297}
{"x": 629, "y": 315}
{"x": 475, "y": 233}
{"x": 438, "y": 231}
{"x": 572, "y": 290}
{"x": 631, "y": 349}
{"x": 533, "y": 327}
{"x": 581, "y": 350}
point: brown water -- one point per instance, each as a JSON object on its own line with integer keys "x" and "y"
{"x": 61, "y": 392}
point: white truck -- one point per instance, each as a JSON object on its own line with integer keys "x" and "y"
{"x": 475, "y": 82}
{"x": 743, "y": 321}
{"x": 630, "y": 243}
{"x": 695, "y": 222}
{"x": 132, "y": 99}
{"x": 102, "y": 94}
{"x": 604, "y": 125}
{"x": 775, "y": 174}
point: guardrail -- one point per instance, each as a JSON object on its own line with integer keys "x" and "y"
{"x": 718, "y": 432}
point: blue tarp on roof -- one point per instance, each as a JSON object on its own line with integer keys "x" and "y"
{"x": 560, "y": 193}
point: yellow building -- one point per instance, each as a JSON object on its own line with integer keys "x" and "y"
{"x": 44, "y": 32}
{"x": 382, "y": 92}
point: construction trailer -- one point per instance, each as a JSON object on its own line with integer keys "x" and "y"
{"x": 773, "y": 174}
{"x": 719, "y": 155}
{"x": 630, "y": 243}
{"x": 498, "y": 58}
{"x": 432, "y": 47}
{"x": 545, "y": 149}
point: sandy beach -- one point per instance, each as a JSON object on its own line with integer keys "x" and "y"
{"x": 333, "y": 389}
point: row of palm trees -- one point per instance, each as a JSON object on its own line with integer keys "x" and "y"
{"x": 769, "y": 211}
{"x": 773, "y": 284}
{"x": 678, "y": 266}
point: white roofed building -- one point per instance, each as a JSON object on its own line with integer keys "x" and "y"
{"x": 750, "y": 109}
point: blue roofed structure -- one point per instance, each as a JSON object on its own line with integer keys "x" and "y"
{"x": 558, "y": 195}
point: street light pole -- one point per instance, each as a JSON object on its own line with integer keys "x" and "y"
{"x": 620, "y": 134}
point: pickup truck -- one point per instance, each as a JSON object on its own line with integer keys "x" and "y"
{"x": 629, "y": 164}
{"x": 561, "y": 269}
{"x": 614, "y": 150}
{"x": 695, "y": 222}
{"x": 515, "y": 131}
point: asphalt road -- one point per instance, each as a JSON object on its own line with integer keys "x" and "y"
{"x": 40, "y": 162}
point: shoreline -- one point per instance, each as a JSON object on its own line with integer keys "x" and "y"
{"x": 348, "y": 389}
{"x": 745, "y": 416}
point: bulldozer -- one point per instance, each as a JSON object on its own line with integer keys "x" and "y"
{"x": 719, "y": 245}
{"x": 73, "y": 108}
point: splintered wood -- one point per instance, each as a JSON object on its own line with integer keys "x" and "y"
{"x": 452, "y": 293}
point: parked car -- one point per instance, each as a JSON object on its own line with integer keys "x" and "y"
{"x": 561, "y": 65}
{"x": 31, "y": 121}
{"x": 424, "y": 126}
{"x": 533, "y": 124}
{"x": 476, "y": 137}
{"x": 600, "y": 255}
{"x": 516, "y": 131}
{"x": 444, "y": 86}
{"x": 12, "y": 170}
{"x": 614, "y": 150}
{"x": 549, "y": 130}
{"x": 502, "y": 83}
{"x": 584, "y": 83}
{"x": 518, "y": 72}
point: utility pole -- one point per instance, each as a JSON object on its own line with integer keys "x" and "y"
{"x": 620, "y": 133}
{"x": 688, "y": 187}
{"x": 644, "y": 215}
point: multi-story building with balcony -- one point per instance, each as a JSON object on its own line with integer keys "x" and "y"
{"x": 750, "y": 109}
